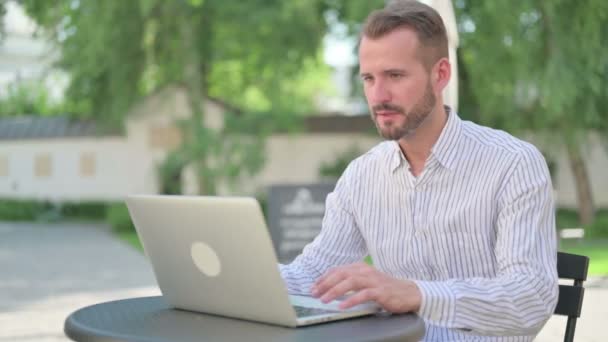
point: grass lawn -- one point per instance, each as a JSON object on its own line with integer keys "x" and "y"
{"x": 132, "y": 239}
{"x": 596, "y": 250}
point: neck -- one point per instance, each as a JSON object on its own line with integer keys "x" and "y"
{"x": 417, "y": 146}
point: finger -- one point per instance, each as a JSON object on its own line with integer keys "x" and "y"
{"x": 343, "y": 287}
{"x": 326, "y": 275}
{"x": 350, "y": 268}
{"x": 335, "y": 275}
{"x": 331, "y": 271}
{"x": 330, "y": 279}
{"x": 363, "y": 296}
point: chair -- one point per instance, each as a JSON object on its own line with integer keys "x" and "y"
{"x": 570, "y": 300}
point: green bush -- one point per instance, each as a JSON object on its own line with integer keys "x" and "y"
{"x": 40, "y": 210}
{"x": 598, "y": 229}
{"x": 119, "y": 219}
{"x": 567, "y": 218}
{"x": 23, "y": 210}
{"x": 85, "y": 210}
{"x": 263, "y": 200}
{"x": 334, "y": 169}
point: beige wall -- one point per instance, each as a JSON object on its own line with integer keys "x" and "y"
{"x": 51, "y": 169}
{"x": 297, "y": 158}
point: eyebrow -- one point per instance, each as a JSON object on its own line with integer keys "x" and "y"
{"x": 387, "y": 71}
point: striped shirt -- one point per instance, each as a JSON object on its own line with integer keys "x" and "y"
{"x": 475, "y": 231}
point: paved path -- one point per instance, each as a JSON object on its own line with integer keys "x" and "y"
{"x": 48, "y": 271}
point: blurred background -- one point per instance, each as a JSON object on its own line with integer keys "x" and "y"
{"x": 101, "y": 99}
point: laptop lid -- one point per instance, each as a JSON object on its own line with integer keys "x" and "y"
{"x": 213, "y": 255}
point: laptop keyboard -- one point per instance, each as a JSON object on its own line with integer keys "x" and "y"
{"x": 302, "y": 311}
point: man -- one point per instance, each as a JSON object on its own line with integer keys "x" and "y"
{"x": 458, "y": 218}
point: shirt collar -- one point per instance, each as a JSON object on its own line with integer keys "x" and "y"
{"x": 396, "y": 156}
{"x": 445, "y": 149}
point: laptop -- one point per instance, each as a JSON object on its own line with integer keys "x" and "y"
{"x": 214, "y": 255}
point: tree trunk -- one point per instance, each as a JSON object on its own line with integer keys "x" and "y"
{"x": 586, "y": 209}
{"x": 196, "y": 93}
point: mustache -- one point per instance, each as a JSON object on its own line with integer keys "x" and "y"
{"x": 388, "y": 107}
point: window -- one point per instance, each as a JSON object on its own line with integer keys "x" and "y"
{"x": 3, "y": 166}
{"x": 164, "y": 137}
{"x": 43, "y": 167}
{"x": 87, "y": 164}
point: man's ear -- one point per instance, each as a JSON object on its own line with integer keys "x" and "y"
{"x": 442, "y": 72}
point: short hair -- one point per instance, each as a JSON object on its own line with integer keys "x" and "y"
{"x": 421, "y": 18}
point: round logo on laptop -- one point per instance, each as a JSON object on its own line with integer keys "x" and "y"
{"x": 205, "y": 259}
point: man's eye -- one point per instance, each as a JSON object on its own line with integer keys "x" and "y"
{"x": 396, "y": 76}
{"x": 366, "y": 78}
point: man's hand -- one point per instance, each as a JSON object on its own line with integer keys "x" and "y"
{"x": 393, "y": 295}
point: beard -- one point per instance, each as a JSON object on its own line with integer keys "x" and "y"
{"x": 413, "y": 119}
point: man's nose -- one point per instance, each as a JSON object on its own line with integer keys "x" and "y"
{"x": 379, "y": 93}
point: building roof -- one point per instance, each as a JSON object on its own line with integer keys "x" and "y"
{"x": 39, "y": 127}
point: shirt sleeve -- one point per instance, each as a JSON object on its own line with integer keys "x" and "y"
{"x": 523, "y": 295}
{"x": 339, "y": 242}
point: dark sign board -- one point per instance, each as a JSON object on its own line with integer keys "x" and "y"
{"x": 295, "y": 213}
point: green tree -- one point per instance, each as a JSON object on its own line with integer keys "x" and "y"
{"x": 260, "y": 56}
{"x": 353, "y": 14}
{"x": 2, "y": 13}
{"x": 29, "y": 99}
{"x": 541, "y": 66}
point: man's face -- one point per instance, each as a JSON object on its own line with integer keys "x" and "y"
{"x": 396, "y": 84}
